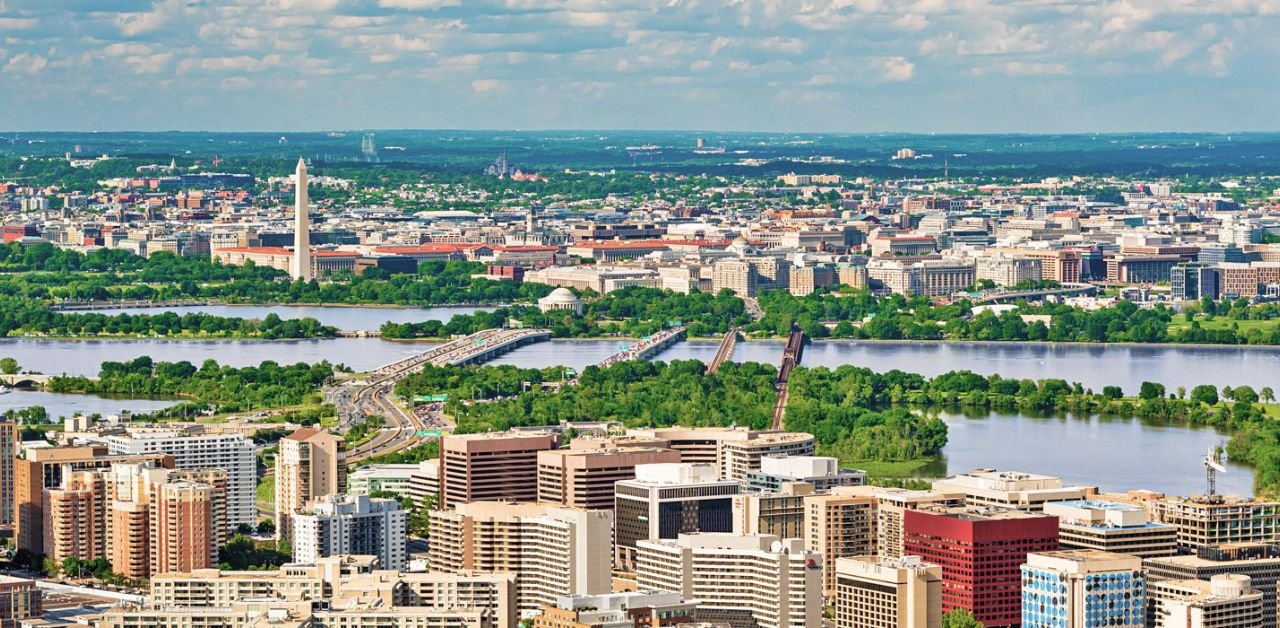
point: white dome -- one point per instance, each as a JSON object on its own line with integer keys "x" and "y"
{"x": 561, "y": 295}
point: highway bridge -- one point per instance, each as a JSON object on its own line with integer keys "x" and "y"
{"x": 790, "y": 359}
{"x": 725, "y": 352}
{"x": 1065, "y": 290}
{"x": 376, "y": 394}
{"x": 646, "y": 347}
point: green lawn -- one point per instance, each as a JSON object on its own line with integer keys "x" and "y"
{"x": 267, "y": 489}
{"x": 890, "y": 469}
{"x": 1220, "y": 322}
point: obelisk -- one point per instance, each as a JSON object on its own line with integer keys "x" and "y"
{"x": 301, "y": 265}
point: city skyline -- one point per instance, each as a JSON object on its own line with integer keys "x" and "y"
{"x": 867, "y": 66}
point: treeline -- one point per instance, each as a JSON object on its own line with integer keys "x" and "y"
{"x": 631, "y": 312}
{"x": 223, "y": 388}
{"x": 21, "y": 317}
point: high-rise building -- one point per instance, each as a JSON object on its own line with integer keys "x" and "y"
{"x": 310, "y": 463}
{"x": 76, "y": 518}
{"x": 584, "y": 478}
{"x": 553, "y": 551}
{"x": 750, "y": 580}
{"x": 736, "y": 276}
{"x": 1222, "y": 601}
{"x": 1083, "y": 589}
{"x": 1112, "y": 527}
{"x": 891, "y": 503}
{"x": 182, "y": 527}
{"x": 359, "y": 524}
{"x": 820, "y": 471}
{"x": 667, "y": 499}
{"x": 424, "y": 483}
{"x": 1011, "y": 489}
{"x": 233, "y": 453}
{"x": 1193, "y": 281}
{"x": 1219, "y": 519}
{"x": 300, "y": 264}
{"x": 839, "y": 524}
{"x": 10, "y": 438}
{"x": 981, "y": 552}
{"x": 1259, "y": 561}
{"x": 20, "y": 599}
{"x": 45, "y": 469}
{"x": 875, "y": 593}
{"x": 491, "y": 466}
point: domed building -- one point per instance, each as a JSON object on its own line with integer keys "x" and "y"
{"x": 741, "y": 247}
{"x": 560, "y": 299}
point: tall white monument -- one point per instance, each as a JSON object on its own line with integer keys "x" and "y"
{"x": 301, "y": 265}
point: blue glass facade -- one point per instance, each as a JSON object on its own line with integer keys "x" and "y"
{"x": 1110, "y": 599}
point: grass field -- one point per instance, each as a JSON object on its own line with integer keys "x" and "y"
{"x": 894, "y": 469}
{"x": 1220, "y": 322}
{"x": 267, "y": 489}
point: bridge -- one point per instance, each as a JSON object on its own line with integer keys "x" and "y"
{"x": 647, "y": 347}
{"x": 725, "y": 352}
{"x": 25, "y": 380}
{"x": 790, "y": 358}
{"x": 1068, "y": 289}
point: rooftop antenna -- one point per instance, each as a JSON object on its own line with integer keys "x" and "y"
{"x": 1215, "y": 461}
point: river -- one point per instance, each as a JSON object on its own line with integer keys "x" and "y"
{"x": 64, "y": 405}
{"x": 344, "y": 318}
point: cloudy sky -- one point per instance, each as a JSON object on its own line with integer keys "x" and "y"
{"x": 779, "y": 65}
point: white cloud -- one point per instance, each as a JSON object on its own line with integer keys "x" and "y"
{"x": 1023, "y": 68}
{"x": 894, "y": 69}
{"x": 235, "y": 84}
{"x": 418, "y": 5}
{"x": 25, "y": 63}
{"x": 17, "y": 23}
{"x": 1220, "y": 57}
{"x": 488, "y": 86}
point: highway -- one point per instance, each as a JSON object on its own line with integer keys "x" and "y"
{"x": 375, "y": 395}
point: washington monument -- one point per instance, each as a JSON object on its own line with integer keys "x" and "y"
{"x": 300, "y": 268}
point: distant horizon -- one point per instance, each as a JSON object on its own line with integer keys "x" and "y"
{"x": 693, "y": 131}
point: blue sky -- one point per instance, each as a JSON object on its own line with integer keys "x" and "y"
{"x": 780, "y": 65}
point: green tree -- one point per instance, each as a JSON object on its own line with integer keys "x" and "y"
{"x": 1151, "y": 390}
{"x": 1205, "y": 394}
{"x": 960, "y": 618}
{"x": 9, "y": 366}
{"x": 1112, "y": 392}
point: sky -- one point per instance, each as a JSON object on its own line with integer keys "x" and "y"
{"x": 969, "y": 66}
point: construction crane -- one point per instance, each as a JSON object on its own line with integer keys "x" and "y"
{"x": 1215, "y": 462}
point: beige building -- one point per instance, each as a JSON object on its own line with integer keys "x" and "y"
{"x": 735, "y": 451}
{"x": 1011, "y": 489}
{"x": 311, "y": 463}
{"x": 891, "y": 503}
{"x": 491, "y": 466}
{"x": 1112, "y": 527}
{"x": 1217, "y": 520}
{"x": 875, "y": 593}
{"x": 584, "y": 478}
{"x": 1224, "y": 601}
{"x": 20, "y": 600}
{"x": 183, "y": 527}
{"x": 780, "y": 513}
{"x": 932, "y": 278}
{"x": 77, "y": 518}
{"x": 1006, "y": 270}
{"x": 839, "y": 525}
{"x": 631, "y": 609}
{"x": 752, "y": 580}
{"x": 737, "y": 276}
{"x": 552, "y": 551}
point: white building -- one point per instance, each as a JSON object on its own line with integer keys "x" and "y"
{"x": 358, "y": 525}
{"x": 759, "y": 578}
{"x": 232, "y": 453}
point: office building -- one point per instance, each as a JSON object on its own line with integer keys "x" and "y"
{"x": 822, "y": 472}
{"x": 46, "y": 469}
{"x": 585, "y": 478}
{"x": 667, "y": 499}
{"x": 891, "y": 503}
{"x": 1219, "y": 519}
{"x": 839, "y": 524}
{"x": 1111, "y": 527}
{"x": 233, "y": 453}
{"x": 492, "y": 466}
{"x": 751, "y": 580}
{"x": 736, "y": 276}
{"x": 780, "y": 513}
{"x": 310, "y": 464}
{"x": 359, "y": 524}
{"x": 552, "y": 551}
{"x": 10, "y": 438}
{"x": 298, "y": 614}
{"x": 20, "y": 600}
{"x": 1193, "y": 281}
{"x": 1010, "y": 489}
{"x": 980, "y": 552}
{"x": 1083, "y": 589}
{"x": 1223, "y": 601}
{"x": 736, "y": 451}
{"x": 383, "y": 478}
{"x": 1259, "y": 561}
{"x": 875, "y": 593}
{"x": 424, "y": 484}
{"x": 631, "y": 609}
